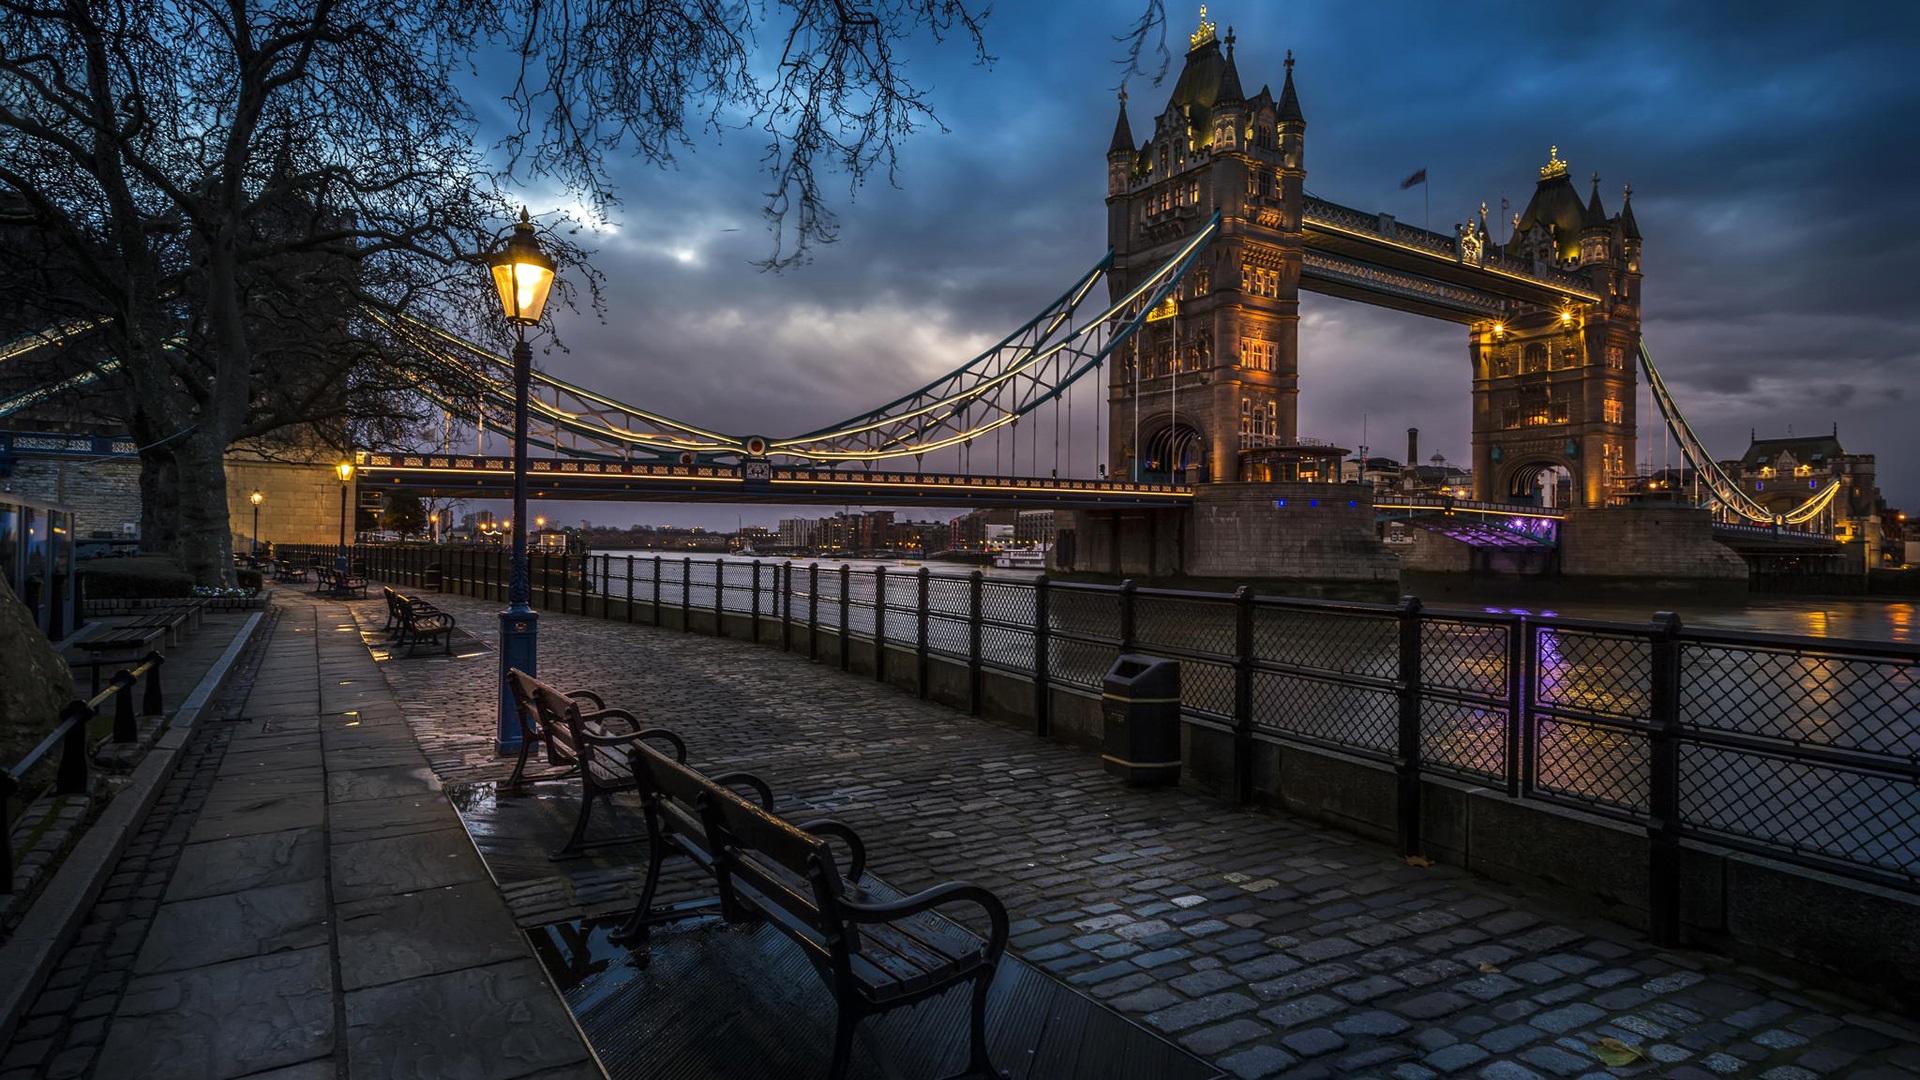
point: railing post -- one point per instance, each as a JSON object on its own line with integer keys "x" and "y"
{"x": 1126, "y": 615}
{"x": 1042, "y": 661}
{"x": 1406, "y": 761}
{"x": 846, "y": 614}
{"x": 1243, "y": 695}
{"x": 756, "y": 601}
{"x": 126, "y": 728}
{"x": 975, "y": 679}
{"x": 1519, "y": 730}
{"x": 921, "y": 664}
{"x": 657, "y": 559}
{"x": 813, "y": 611}
{"x": 719, "y": 597}
{"x": 879, "y": 624}
{"x": 629, "y": 590}
{"x": 150, "y": 702}
{"x": 1663, "y": 774}
{"x": 686, "y": 594}
{"x": 70, "y": 777}
{"x": 783, "y": 603}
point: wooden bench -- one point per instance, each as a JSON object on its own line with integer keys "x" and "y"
{"x": 594, "y": 743}
{"x": 287, "y": 572}
{"x": 874, "y": 955}
{"x": 339, "y": 583}
{"x": 411, "y": 621}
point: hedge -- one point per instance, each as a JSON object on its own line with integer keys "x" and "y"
{"x": 148, "y": 576}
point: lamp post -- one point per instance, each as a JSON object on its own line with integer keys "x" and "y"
{"x": 256, "y": 498}
{"x": 344, "y": 471}
{"x": 522, "y": 274}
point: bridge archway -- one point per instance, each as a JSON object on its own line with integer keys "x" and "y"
{"x": 1175, "y": 452}
{"x": 1541, "y": 481}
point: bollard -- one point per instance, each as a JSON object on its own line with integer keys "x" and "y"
{"x": 151, "y": 704}
{"x": 125, "y": 728}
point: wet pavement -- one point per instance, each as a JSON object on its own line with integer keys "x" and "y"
{"x": 1267, "y": 945}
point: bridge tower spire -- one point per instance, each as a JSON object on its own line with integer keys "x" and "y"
{"x": 1217, "y": 368}
{"x": 1554, "y": 385}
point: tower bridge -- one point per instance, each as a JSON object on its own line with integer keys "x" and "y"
{"x": 1188, "y": 329}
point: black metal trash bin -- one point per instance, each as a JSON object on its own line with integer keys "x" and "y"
{"x": 433, "y": 578}
{"x": 1140, "y": 702}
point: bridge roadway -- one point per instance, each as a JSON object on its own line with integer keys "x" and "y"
{"x": 569, "y": 478}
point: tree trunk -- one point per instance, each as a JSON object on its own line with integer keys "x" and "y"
{"x": 205, "y": 538}
{"x": 159, "y": 509}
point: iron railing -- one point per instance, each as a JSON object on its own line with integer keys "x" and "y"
{"x": 74, "y": 771}
{"x": 1801, "y": 749}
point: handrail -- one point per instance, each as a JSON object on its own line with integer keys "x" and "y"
{"x": 1555, "y": 709}
{"x": 75, "y": 766}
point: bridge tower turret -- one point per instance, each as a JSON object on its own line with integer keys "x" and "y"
{"x": 1216, "y": 370}
{"x": 1554, "y": 386}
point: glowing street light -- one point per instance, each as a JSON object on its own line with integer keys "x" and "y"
{"x": 256, "y": 499}
{"x": 344, "y": 471}
{"x": 522, "y": 275}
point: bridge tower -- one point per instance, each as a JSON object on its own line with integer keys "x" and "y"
{"x": 1554, "y": 387}
{"x": 1215, "y": 371}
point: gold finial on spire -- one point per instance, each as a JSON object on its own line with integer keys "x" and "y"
{"x": 1123, "y": 93}
{"x": 1554, "y": 166}
{"x": 1204, "y": 34}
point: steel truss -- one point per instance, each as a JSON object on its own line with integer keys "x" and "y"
{"x": 1724, "y": 492}
{"x": 1026, "y": 370}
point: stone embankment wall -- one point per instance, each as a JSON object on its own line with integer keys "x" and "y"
{"x": 1648, "y": 543}
{"x": 1320, "y": 532}
{"x": 104, "y": 494}
{"x": 301, "y": 503}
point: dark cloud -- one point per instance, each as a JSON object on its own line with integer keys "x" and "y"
{"x": 1768, "y": 145}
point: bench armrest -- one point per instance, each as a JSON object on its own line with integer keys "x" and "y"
{"x": 759, "y": 786}
{"x": 939, "y": 896}
{"x": 587, "y": 695}
{"x": 632, "y": 721}
{"x": 857, "y": 861}
{"x": 679, "y": 748}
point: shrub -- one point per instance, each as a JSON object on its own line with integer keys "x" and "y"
{"x": 134, "y": 579}
{"x": 250, "y": 580}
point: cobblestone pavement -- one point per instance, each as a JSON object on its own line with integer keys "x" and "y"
{"x": 301, "y": 905}
{"x": 1271, "y": 946}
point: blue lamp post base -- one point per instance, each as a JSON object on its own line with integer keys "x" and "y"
{"x": 519, "y": 636}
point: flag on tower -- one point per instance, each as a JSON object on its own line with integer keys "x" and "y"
{"x": 1417, "y": 178}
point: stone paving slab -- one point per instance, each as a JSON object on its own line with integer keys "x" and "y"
{"x": 1272, "y": 946}
{"x": 283, "y": 914}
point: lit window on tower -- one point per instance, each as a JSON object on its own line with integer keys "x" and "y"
{"x": 1613, "y": 411}
{"x": 1256, "y": 354}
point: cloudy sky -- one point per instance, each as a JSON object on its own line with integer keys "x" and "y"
{"x": 1770, "y": 148}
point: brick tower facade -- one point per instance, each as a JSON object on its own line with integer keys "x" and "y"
{"x": 1215, "y": 371}
{"x": 1555, "y": 387}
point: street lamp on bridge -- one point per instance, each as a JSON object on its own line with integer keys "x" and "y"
{"x": 256, "y": 498}
{"x": 344, "y": 471}
{"x": 522, "y": 274}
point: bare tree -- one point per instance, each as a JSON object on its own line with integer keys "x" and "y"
{"x": 249, "y": 190}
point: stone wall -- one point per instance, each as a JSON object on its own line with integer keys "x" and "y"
{"x": 1316, "y": 532}
{"x": 301, "y": 503}
{"x": 1646, "y": 543}
{"x": 105, "y": 495}
{"x": 1434, "y": 553}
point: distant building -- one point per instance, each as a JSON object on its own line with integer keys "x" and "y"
{"x": 1034, "y": 528}
{"x": 1782, "y": 474}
